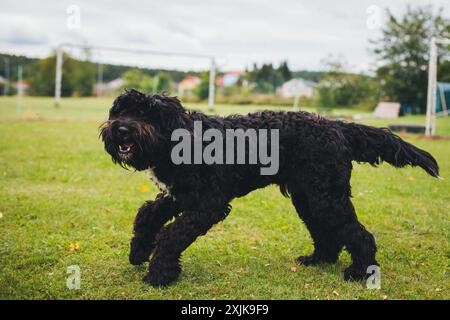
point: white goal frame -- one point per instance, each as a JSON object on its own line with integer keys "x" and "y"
{"x": 59, "y": 65}
{"x": 430, "y": 122}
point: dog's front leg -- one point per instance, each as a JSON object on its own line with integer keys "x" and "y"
{"x": 172, "y": 240}
{"x": 148, "y": 222}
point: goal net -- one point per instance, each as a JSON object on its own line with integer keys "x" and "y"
{"x": 142, "y": 58}
{"x": 442, "y": 98}
{"x": 438, "y": 93}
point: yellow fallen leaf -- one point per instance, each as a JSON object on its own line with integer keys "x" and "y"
{"x": 384, "y": 297}
{"x": 336, "y": 293}
{"x": 74, "y": 246}
{"x": 410, "y": 178}
{"x": 1, "y": 215}
{"x": 293, "y": 269}
{"x": 438, "y": 289}
{"x": 144, "y": 188}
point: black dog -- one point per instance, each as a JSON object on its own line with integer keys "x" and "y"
{"x": 315, "y": 164}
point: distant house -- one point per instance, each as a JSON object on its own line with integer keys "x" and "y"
{"x": 296, "y": 87}
{"x": 231, "y": 78}
{"x": 2, "y": 80}
{"x": 22, "y": 86}
{"x": 110, "y": 87}
{"x": 188, "y": 84}
{"x": 228, "y": 79}
{"x": 115, "y": 84}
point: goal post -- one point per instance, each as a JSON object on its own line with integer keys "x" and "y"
{"x": 59, "y": 65}
{"x": 58, "y": 75}
{"x": 430, "y": 122}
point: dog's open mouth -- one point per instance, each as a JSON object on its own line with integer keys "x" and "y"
{"x": 126, "y": 148}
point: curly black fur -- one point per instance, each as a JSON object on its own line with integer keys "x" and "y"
{"x": 315, "y": 166}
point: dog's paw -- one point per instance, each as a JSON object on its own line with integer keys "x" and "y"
{"x": 162, "y": 277}
{"x": 139, "y": 253}
{"x": 355, "y": 273}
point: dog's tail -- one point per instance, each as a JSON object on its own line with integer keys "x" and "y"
{"x": 374, "y": 145}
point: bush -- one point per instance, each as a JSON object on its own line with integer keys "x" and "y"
{"x": 138, "y": 80}
{"x": 340, "y": 89}
{"x": 262, "y": 99}
{"x": 12, "y": 89}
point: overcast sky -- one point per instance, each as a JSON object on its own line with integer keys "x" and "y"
{"x": 237, "y": 32}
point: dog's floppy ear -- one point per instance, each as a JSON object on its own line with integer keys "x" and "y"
{"x": 166, "y": 109}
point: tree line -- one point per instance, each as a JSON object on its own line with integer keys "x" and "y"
{"x": 79, "y": 76}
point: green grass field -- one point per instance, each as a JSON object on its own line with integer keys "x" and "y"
{"x": 63, "y": 202}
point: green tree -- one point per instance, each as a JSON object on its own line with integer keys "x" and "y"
{"x": 42, "y": 81}
{"x": 284, "y": 70}
{"x": 82, "y": 78}
{"x": 266, "y": 78}
{"x": 339, "y": 88}
{"x": 325, "y": 96}
{"x": 136, "y": 79}
{"x": 42, "y": 76}
{"x": 403, "y": 52}
{"x": 202, "y": 90}
{"x": 162, "y": 82}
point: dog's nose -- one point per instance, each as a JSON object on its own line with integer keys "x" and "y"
{"x": 123, "y": 130}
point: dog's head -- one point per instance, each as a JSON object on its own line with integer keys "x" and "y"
{"x": 139, "y": 126}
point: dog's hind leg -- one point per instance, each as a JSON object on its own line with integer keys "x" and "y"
{"x": 361, "y": 245}
{"x": 148, "y": 222}
{"x": 173, "y": 239}
{"x": 330, "y": 217}
{"x": 326, "y": 242}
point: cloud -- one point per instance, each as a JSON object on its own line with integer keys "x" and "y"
{"x": 238, "y": 32}
{"x": 19, "y": 36}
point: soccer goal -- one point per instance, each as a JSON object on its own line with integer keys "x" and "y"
{"x": 65, "y": 46}
{"x": 438, "y": 96}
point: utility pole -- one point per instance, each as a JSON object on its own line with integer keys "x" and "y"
{"x": 100, "y": 79}
{"x": 6, "y": 87}
{"x": 212, "y": 85}
{"x": 19, "y": 88}
{"x": 58, "y": 78}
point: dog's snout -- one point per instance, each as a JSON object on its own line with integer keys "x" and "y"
{"x": 123, "y": 130}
